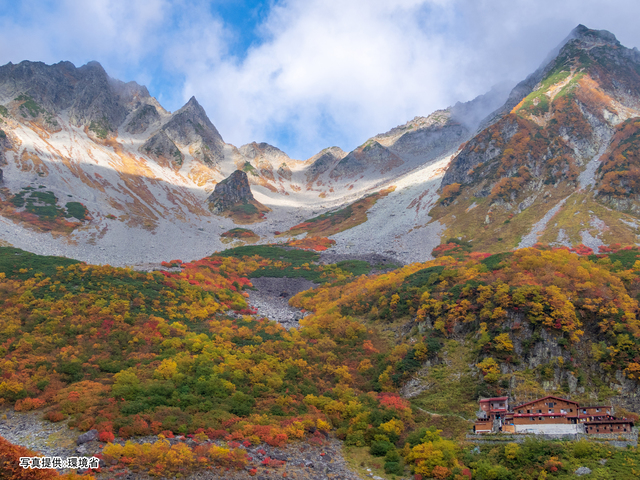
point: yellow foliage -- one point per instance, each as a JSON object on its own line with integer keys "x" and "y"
{"x": 323, "y": 425}
{"x": 503, "y": 343}
{"x": 490, "y": 369}
{"x": 393, "y": 426}
{"x": 511, "y": 451}
{"x": 365, "y": 365}
{"x": 167, "y": 369}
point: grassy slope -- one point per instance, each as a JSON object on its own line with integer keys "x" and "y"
{"x": 338, "y": 221}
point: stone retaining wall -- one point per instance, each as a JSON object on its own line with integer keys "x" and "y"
{"x": 614, "y": 439}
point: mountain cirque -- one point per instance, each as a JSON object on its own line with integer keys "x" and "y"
{"x": 144, "y": 175}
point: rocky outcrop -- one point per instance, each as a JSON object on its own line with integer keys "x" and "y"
{"x": 229, "y": 192}
{"x": 323, "y": 162}
{"x": 262, "y": 151}
{"x": 142, "y": 118}
{"x": 160, "y": 145}
{"x": 481, "y": 150}
{"x": 432, "y": 140}
{"x": 413, "y": 144}
{"x": 89, "y": 436}
{"x": 372, "y": 156}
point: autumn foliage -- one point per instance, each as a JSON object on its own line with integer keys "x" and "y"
{"x": 319, "y": 244}
{"x": 10, "y": 468}
{"x": 133, "y": 354}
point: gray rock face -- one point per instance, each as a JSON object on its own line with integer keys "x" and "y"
{"x": 253, "y": 151}
{"x": 372, "y": 155}
{"x": 160, "y": 145}
{"x": 471, "y": 155}
{"x": 324, "y": 161}
{"x": 472, "y": 113}
{"x": 86, "y": 93}
{"x": 5, "y": 144}
{"x": 191, "y": 126}
{"x": 230, "y": 191}
{"x": 89, "y": 436}
{"x": 419, "y": 141}
{"x": 433, "y": 141}
{"x": 284, "y": 171}
{"x": 142, "y": 118}
{"x": 91, "y": 98}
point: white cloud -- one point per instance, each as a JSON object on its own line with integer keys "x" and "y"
{"x": 339, "y": 71}
{"x": 328, "y": 67}
{"x": 325, "y": 72}
{"x": 77, "y": 29}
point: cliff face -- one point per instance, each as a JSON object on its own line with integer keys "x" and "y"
{"x": 86, "y": 93}
{"x": 188, "y": 127}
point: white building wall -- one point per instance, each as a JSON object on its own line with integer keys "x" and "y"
{"x": 551, "y": 428}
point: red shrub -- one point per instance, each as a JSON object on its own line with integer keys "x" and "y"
{"x": 55, "y": 416}
{"x": 106, "y": 437}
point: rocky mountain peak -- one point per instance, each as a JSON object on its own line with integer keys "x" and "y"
{"x": 192, "y": 118}
{"x": 588, "y": 37}
{"x": 193, "y": 106}
{"x": 191, "y": 126}
{"x": 254, "y": 150}
{"x": 85, "y": 93}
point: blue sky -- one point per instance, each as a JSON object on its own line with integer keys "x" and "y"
{"x": 307, "y": 74}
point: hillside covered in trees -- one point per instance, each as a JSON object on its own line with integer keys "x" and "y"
{"x": 179, "y": 352}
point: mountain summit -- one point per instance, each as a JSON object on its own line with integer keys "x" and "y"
{"x": 553, "y": 154}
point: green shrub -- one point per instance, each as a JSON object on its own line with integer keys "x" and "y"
{"x": 488, "y": 471}
{"x": 415, "y": 437}
{"x": 101, "y": 128}
{"x": 13, "y": 259}
{"x": 29, "y": 106}
{"x": 76, "y": 210}
{"x": 241, "y": 404}
{"x": 393, "y": 468}
{"x": 392, "y": 456}
{"x": 380, "y": 448}
{"x": 355, "y": 267}
{"x": 583, "y": 449}
{"x": 493, "y": 262}
{"x": 356, "y": 439}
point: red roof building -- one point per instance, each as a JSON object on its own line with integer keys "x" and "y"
{"x": 548, "y": 414}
